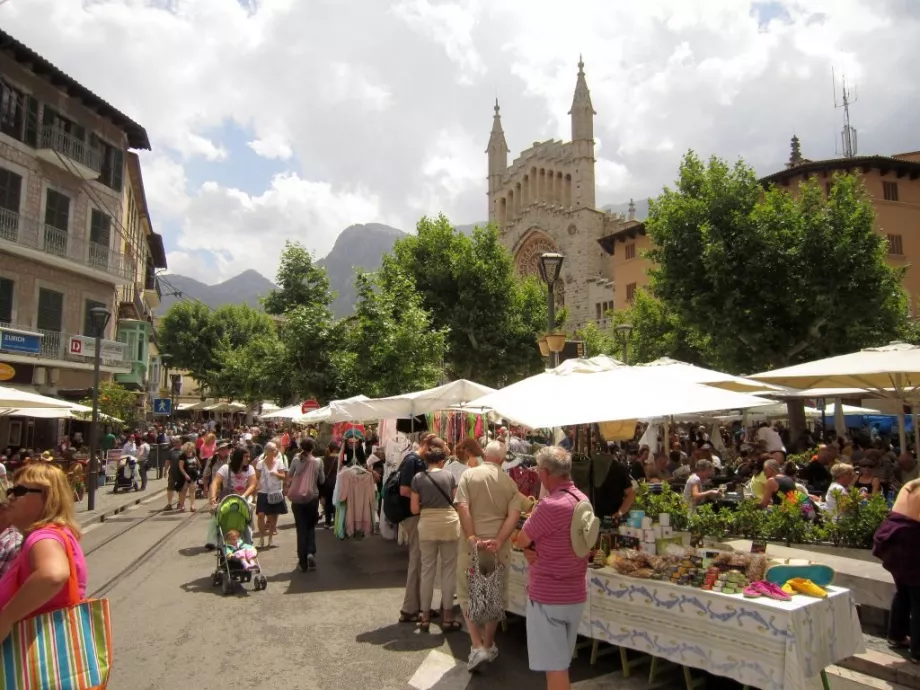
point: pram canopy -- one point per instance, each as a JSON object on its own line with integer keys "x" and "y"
{"x": 233, "y": 512}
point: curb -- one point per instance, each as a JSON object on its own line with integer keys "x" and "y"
{"x": 111, "y": 512}
{"x": 887, "y": 667}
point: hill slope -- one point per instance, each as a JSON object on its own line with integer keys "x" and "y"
{"x": 246, "y": 288}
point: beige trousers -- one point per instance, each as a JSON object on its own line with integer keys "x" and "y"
{"x": 431, "y": 550}
{"x": 412, "y": 599}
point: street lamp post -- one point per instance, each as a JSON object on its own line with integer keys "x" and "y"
{"x": 166, "y": 358}
{"x": 99, "y": 317}
{"x": 550, "y": 265}
{"x": 624, "y": 334}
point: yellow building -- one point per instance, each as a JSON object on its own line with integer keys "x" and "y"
{"x": 893, "y": 182}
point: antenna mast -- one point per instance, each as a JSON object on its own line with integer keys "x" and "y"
{"x": 848, "y": 135}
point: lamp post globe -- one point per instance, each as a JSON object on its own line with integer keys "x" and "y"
{"x": 624, "y": 335}
{"x": 550, "y": 266}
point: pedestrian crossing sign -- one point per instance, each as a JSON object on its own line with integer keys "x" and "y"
{"x": 162, "y": 406}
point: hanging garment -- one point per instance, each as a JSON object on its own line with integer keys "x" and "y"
{"x": 358, "y": 491}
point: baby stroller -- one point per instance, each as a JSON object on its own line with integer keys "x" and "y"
{"x": 234, "y": 513}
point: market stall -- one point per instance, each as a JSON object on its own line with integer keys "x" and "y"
{"x": 762, "y": 643}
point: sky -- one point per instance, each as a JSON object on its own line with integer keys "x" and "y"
{"x": 275, "y": 120}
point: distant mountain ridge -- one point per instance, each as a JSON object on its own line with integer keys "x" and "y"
{"x": 358, "y": 248}
{"x": 246, "y": 288}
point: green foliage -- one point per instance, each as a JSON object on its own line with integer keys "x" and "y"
{"x": 859, "y": 518}
{"x": 115, "y": 401}
{"x": 707, "y": 522}
{"x": 749, "y": 520}
{"x": 390, "y": 346}
{"x": 185, "y": 334}
{"x": 802, "y": 459}
{"x": 658, "y": 331}
{"x": 786, "y": 522}
{"x": 667, "y": 501}
{"x": 598, "y": 341}
{"x": 725, "y": 249}
{"x": 301, "y": 283}
{"x": 469, "y": 287}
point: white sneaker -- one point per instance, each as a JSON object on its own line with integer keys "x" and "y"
{"x": 478, "y": 657}
{"x": 492, "y": 653}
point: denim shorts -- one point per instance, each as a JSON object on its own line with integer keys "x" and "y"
{"x": 551, "y": 633}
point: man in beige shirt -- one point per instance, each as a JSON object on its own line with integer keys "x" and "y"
{"x": 489, "y": 506}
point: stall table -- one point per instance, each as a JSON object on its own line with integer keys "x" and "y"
{"x": 762, "y": 643}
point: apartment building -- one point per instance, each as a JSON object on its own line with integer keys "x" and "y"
{"x": 63, "y": 249}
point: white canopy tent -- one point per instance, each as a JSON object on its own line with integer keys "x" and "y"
{"x": 559, "y": 398}
{"x": 331, "y": 413}
{"x": 225, "y": 407}
{"x": 891, "y": 371}
{"x": 694, "y": 374}
{"x": 72, "y": 411}
{"x": 409, "y": 405}
{"x": 283, "y": 413}
{"x": 14, "y": 398}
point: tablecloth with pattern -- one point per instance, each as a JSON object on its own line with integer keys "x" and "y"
{"x": 763, "y": 643}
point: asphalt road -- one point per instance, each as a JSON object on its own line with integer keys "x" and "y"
{"x": 331, "y": 629}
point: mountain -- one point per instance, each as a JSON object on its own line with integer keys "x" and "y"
{"x": 246, "y": 288}
{"x": 359, "y": 247}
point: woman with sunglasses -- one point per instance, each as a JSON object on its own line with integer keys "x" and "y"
{"x": 41, "y": 507}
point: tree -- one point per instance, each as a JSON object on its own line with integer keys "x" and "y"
{"x": 771, "y": 277}
{"x": 185, "y": 334}
{"x": 390, "y": 345}
{"x": 114, "y": 401}
{"x": 469, "y": 286}
{"x": 657, "y": 332}
{"x": 301, "y": 282}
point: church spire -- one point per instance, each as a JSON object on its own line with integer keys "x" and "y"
{"x": 582, "y": 111}
{"x": 497, "y": 152}
{"x": 795, "y": 153}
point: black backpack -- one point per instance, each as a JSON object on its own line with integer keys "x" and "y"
{"x": 394, "y": 505}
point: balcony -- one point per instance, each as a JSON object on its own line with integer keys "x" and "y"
{"x": 28, "y": 238}
{"x": 75, "y": 156}
{"x": 152, "y": 292}
{"x": 131, "y": 304}
{"x": 134, "y": 379}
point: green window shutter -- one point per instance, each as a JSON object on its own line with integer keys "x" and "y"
{"x": 118, "y": 169}
{"x": 6, "y": 300}
{"x": 50, "y": 310}
{"x": 100, "y": 228}
{"x": 10, "y": 190}
{"x": 31, "y": 128}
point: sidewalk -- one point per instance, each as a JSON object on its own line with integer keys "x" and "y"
{"x": 108, "y": 504}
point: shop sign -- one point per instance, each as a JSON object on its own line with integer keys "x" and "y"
{"x": 86, "y": 347}
{"x": 15, "y": 341}
{"x": 16, "y": 373}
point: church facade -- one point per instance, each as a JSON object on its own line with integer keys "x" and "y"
{"x": 545, "y": 202}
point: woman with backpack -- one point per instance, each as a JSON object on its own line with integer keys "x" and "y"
{"x": 304, "y": 487}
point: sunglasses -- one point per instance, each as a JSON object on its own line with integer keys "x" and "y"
{"x": 19, "y": 491}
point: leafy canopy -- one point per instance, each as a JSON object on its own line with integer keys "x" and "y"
{"x": 469, "y": 286}
{"x": 771, "y": 278}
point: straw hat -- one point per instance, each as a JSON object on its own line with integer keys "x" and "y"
{"x": 585, "y": 528}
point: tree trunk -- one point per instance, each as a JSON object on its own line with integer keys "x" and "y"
{"x": 795, "y": 408}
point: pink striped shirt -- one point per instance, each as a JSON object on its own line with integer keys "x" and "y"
{"x": 558, "y": 576}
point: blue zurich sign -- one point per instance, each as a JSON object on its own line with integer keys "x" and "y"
{"x": 12, "y": 341}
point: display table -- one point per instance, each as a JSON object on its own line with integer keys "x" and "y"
{"x": 763, "y": 643}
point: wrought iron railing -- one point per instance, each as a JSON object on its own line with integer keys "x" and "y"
{"x": 28, "y": 232}
{"x": 71, "y": 147}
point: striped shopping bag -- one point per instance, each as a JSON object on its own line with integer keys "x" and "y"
{"x": 66, "y": 649}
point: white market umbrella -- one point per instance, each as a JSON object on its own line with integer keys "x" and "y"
{"x": 332, "y": 412}
{"x": 284, "y": 413}
{"x": 561, "y": 399}
{"x": 409, "y": 405}
{"x": 710, "y": 377}
{"x": 14, "y": 398}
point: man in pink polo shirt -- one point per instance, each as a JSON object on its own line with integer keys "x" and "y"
{"x": 556, "y": 539}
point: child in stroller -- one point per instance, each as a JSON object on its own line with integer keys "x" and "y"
{"x": 237, "y": 560}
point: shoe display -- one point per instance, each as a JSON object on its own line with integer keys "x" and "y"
{"x": 801, "y": 585}
{"x": 752, "y": 591}
{"x": 769, "y": 590}
{"x": 478, "y": 657}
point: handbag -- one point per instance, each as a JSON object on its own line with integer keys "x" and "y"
{"x": 303, "y": 485}
{"x": 65, "y": 649}
{"x": 486, "y": 595}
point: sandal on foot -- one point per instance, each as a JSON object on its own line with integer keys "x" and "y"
{"x": 409, "y": 617}
{"x": 450, "y": 626}
{"x": 899, "y": 644}
{"x": 424, "y": 626}
{"x": 192, "y": 510}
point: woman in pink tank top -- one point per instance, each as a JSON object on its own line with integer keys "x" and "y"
{"x": 41, "y": 507}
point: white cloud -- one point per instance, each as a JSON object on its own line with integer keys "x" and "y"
{"x": 381, "y": 111}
